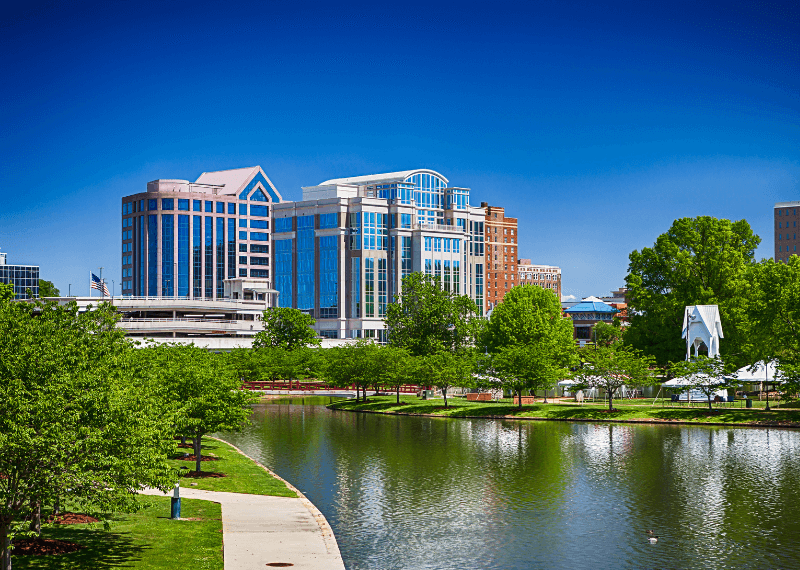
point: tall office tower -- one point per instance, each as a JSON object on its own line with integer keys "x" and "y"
{"x": 22, "y": 277}
{"x": 501, "y": 254}
{"x": 341, "y": 253}
{"x": 545, "y": 276}
{"x": 195, "y": 239}
{"x": 786, "y": 229}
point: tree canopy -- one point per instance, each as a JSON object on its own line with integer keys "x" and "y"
{"x": 611, "y": 367}
{"x": 528, "y": 315}
{"x": 48, "y": 289}
{"x": 287, "y": 328}
{"x": 698, "y": 261}
{"x": 426, "y": 319}
{"x": 528, "y": 367}
{"x": 78, "y": 417}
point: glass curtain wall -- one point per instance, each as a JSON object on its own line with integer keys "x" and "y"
{"x": 220, "y": 257}
{"x": 328, "y": 277}
{"x": 183, "y": 252}
{"x": 209, "y": 243}
{"x": 283, "y": 271}
{"x": 231, "y": 246}
{"x": 167, "y": 254}
{"x": 355, "y": 288}
{"x": 142, "y": 290}
{"x": 381, "y": 287}
{"x": 152, "y": 254}
{"x": 369, "y": 286}
{"x": 305, "y": 264}
{"x": 197, "y": 256}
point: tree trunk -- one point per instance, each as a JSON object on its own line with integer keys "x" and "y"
{"x": 197, "y": 459}
{"x": 36, "y": 519}
{"x": 5, "y": 542}
{"x": 398, "y": 393}
{"x": 545, "y": 396}
{"x": 519, "y": 401}
{"x": 610, "y": 401}
{"x": 444, "y": 393}
{"x": 57, "y": 506}
{"x": 183, "y": 440}
{"x": 709, "y": 403}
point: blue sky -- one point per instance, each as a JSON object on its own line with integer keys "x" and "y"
{"x": 596, "y": 126}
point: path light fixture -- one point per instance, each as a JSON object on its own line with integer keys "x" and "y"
{"x": 175, "y": 512}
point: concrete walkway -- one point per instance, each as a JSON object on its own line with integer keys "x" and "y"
{"x": 258, "y": 530}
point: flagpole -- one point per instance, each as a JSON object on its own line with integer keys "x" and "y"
{"x": 103, "y": 290}
{"x": 90, "y": 283}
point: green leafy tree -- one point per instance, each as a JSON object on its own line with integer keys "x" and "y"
{"x": 205, "y": 391}
{"x": 698, "y": 261}
{"x": 528, "y": 367}
{"x": 79, "y": 418}
{"x": 352, "y": 364}
{"x": 606, "y": 334}
{"x": 529, "y": 315}
{"x": 6, "y": 292}
{"x": 426, "y": 319}
{"x": 445, "y": 370}
{"x": 394, "y": 368}
{"x": 286, "y": 328}
{"x": 611, "y": 367}
{"x": 47, "y": 289}
{"x": 704, "y": 374}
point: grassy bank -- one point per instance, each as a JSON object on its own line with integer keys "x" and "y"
{"x": 626, "y": 410}
{"x": 241, "y": 474}
{"x": 147, "y": 539}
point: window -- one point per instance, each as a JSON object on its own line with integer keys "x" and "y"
{"x": 283, "y": 225}
{"x": 328, "y": 277}
{"x": 427, "y": 243}
{"x": 259, "y": 261}
{"x": 263, "y": 273}
{"x": 197, "y": 206}
{"x": 405, "y": 220}
{"x": 209, "y": 206}
{"x": 259, "y": 224}
{"x": 242, "y": 223}
{"x": 242, "y": 272}
{"x": 243, "y": 247}
{"x": 259, "y": 248}
{"x": 242, "y": 209}
{"x": 152, "y": 205}
{"x": 220, "y": 207}
{"x": 231, "y": 208}
{"x": 167, "y": 204}
{"x": 258, "y": 196}
{"x": 242, "y": 235}
{"x": 328, "y": 221}
{"x": 780, "y": 225}
{"x": 259, "y": 211}
{"x": 183, "y": 205}
{"x": 259, "y": 236}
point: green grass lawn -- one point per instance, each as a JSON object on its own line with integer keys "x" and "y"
{"x": 626, "y": 410}
{"x": 241, "y": 474}
{"x": 146, "y": 539}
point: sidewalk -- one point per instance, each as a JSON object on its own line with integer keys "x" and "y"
{"x": 259, "y": 530}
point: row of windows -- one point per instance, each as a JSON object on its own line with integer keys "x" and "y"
{"x": 794, "y": 212}
{"x": 442, "y": 244}
{"x": 780, "y": 224}
{"x": 787, "y": 248}
{"x": 197, "y": 206}
{"x": 794, "y": 236}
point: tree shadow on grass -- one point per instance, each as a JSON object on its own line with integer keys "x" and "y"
{"x": 103, "y": 550}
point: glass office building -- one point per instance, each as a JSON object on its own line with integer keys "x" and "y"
{"x": 24, "y": 278}
{"x": 187, "y": 239}
{"x": 340, "y": 254}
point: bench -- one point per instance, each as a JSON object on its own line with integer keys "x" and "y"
{"x": 526, "y": 400}
{"x": 482, "y": 397}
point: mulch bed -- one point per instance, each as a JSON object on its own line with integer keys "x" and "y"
{"x": 72, "y": 518}
{"x": 44, "y": 547}
{"x": 202, "y": 475}
{"x": 194, "y": 458}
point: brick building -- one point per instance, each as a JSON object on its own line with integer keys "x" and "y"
{"x": 545, "y": 276}
{"x": 501, "y": 254}
{"x": 786, "y": 229}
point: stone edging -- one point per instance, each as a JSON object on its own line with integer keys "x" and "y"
{"x": 327, "y": 532}
{"x": 578, "y": 420}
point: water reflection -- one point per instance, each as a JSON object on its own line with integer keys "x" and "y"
{"x": 405, "y": 492}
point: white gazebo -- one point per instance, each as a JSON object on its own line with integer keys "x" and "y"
{"x": 702, "y": 325}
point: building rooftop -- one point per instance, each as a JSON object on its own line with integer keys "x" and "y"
{"x": 591, "y": 305}
{"x": 785, "y": 204}
{"x": 387, "y": 177}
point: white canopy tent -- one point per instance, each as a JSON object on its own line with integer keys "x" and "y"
{"x": 761, "y": 373}
{"x": 689, "y": 386}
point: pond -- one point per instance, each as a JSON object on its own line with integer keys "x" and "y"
{"x": 412, "y": 492}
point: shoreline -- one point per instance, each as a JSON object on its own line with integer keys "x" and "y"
{"x": 648, "y": 421}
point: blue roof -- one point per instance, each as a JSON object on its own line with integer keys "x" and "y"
{"x": 591, "y": 307}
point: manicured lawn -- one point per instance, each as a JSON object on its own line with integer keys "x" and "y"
{"x": 241, "y": 474}
{"x": 626, "y": 410}
{"x": 147, "y": 539}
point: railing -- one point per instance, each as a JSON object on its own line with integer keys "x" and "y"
{"x": 182, "y": 319}
{"x": 183, "y": 298}
{"x": 440, "y": 228}
{"x": 315, "y": 385}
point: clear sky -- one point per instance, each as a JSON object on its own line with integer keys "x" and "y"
{"x": 595, "y": 124}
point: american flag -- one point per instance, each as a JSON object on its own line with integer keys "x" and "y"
{"x": 100, "y": 285}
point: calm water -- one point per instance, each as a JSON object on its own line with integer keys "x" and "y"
{"x": 403, "y": 492}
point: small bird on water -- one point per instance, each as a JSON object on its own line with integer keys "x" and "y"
{"x": 653, "y": 539}
{"x": 649, "y": 532}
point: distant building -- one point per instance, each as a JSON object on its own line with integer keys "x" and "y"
{"x": 187, "y": 239}
{"x": 22, "y": 277}
{"x": 544, "y": 276}
{"x": 586, "y": 314}
{"x": 786, "y": 229}
{"x": 619, "y": 300}
{"x": 501, "y": 254}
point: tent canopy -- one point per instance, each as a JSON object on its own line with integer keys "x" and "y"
{"x": 759, "y": 373}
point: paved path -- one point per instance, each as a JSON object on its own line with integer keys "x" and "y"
{"x": 258, "y": 530}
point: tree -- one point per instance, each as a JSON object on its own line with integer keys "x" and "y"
{"x": 444, "y": 370}
{"x": 205, "y": 392}
{"x": 606, "y": 334}
{"x": 426, "y": 319}
{"x": 529, "y": 315}
{"x": 704, "y": 374}
{"x": 286, "y": 328}
{"x": 395, "y": 366}
{"x": 698, "y": 261}
{"x": 528, "y": 367}
{"x": 611, "y": 367}
{"x": 79, "y": 420}
{"x": 352, "y": 364}
{"x": 47, "y": 289}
